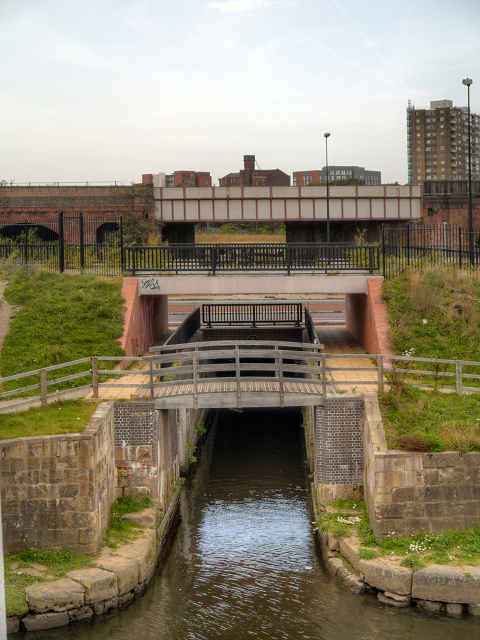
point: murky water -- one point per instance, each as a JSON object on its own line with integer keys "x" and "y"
{"x": 243, "y": 562}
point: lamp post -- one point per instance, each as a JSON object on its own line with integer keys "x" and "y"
{"x": 327, "y": 135}
{"x": 467, "y": 82}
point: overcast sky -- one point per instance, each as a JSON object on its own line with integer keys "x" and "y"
{"x": 103, "y": 90}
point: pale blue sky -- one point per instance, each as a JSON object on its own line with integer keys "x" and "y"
{"x": 108, "y": 90}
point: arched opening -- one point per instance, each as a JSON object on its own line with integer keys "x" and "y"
{"x": 35, "y": 233}
{"x": 107, "y": 232}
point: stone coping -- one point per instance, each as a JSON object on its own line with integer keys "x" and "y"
{"x": 121, "y": 574}
{"x": 435, "y": 588}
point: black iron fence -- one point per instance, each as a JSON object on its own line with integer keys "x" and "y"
{"x": 78, "y": 243}
{"x": 229, "y": 258}
{"x": 414, "y": 246}
{"x": 252, "y": 313}
{"x": 65, "y": 243}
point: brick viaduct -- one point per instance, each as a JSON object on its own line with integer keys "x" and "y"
{"x": 43, "y": 203}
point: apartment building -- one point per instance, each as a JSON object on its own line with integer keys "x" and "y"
{"x": 304, "y": 178}
{"x": 437, "y": 142}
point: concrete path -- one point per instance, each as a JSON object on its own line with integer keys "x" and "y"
{"x": 338, "y": 340}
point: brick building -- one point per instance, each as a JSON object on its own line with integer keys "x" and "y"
{"x": 337, "y": 172}
{"x": 187, "y": 178}
{"x": 250, "y": 176}
{"x": 437, "y": 142}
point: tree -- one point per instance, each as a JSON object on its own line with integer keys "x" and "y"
{"x": 338, "y": 183}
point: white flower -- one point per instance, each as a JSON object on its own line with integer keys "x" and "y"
{"x": 424, "y": 321}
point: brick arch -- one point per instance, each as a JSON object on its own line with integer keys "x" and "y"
{"x": 104, "y": 229}
{"x": 44, "y": 231}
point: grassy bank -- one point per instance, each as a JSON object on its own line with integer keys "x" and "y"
{"x": 433, "y": 313}
{"x": 59, "y": 318}
{"x": 63, "y": 416}
{"x": 349, "y": 519}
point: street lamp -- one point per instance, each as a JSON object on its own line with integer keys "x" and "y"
{"x": 327, "y": 135}
{"x": 467, "y": 82}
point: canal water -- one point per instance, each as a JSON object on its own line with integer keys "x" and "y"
{"x": 242, "y": 562}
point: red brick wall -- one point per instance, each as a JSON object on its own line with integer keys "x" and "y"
{"x": 18, "y": 203}
{"x": 146, "y": 318}
{"x": 366, "y": 318}
{"x": 450, "y": 209}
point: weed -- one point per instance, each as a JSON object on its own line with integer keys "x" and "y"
{"x": 367, "y": 554}
{"x": 413, "y": 562}
{"x": 130, "y": 504}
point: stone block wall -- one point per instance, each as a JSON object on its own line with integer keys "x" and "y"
{"x": 146, "y": 318}
{"x": 339, "y": 446}
{"x": 366, "y": 317}
{"x": 57, "y": 490}
{"x": 409, "y": 491}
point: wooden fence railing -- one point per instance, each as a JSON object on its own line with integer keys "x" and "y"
{"x": 193, "y": 362}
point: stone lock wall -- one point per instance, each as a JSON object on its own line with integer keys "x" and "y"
{"x": 57, "y": 490}
{"x": 338, "y": 447}
{"x": 409, "y": 491}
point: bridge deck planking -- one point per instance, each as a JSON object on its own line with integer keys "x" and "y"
{"x": 253, "y": 393}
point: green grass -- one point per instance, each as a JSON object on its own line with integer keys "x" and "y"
{"x": 447, "y": 298}
{"x": 130, "y": 504}
{"x": 15, "y": 601}
{"x": 59, "y": 318}
{"x": 63, "y": 416}
{"x": 58, "y": 562}
{"x": 431, "y": 421}
{"x": 121, "y": 531}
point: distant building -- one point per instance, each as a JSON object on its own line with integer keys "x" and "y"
{"x": 179, "y": 178}
{"x": 251, "y": 177}
{"x": 437, "y": 142}
{"x": 304, "y": 178}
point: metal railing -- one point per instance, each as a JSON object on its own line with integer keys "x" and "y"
{"x": 231, "y": 258}
{"x": 415, "y": 246}
{"x": 186, "y": 330}
{"x": 252, "y": 313}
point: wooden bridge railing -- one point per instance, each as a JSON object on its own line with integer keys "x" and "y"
{"x": 192, "y": 363}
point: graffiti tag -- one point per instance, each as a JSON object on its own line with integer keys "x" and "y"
{"x": 151, "y": 283}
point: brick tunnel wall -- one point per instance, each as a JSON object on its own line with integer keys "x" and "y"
{"x": 366, "y": 317}
{"x": 146, "y": 318}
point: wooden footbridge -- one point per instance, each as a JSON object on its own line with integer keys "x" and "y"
{"x": 236, "y": 374}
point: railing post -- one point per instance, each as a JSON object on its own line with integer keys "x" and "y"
{"x": 280, "y": 378}
{"x": 214, "y": 259}
{"x": 458, "y": 378}
{"x": 82, "y": 243}
{"x": 61, "y": 248}
{"x": 289, "y": 259}
{"x": 237, "y": 375}
{"x": 25, "y": 232}
{"x": 370, "y": 259}
{"x": 380, "y": 373}
{"x": 152, "y": 387}
{"x": 324, "y": 375}
{"x": 95, "y": 376}
{"x": 383, "y": 248}
{"x": 459, "y": 246}
{"x": 122, "y": 252}
{"x": 408, "y": 244}
{"x": 134, "y": 256}
{"x": 194, "y": 372}
{"x": 43, "y": 387}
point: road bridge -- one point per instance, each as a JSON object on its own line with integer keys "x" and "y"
{"x": 303, "y": 209}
